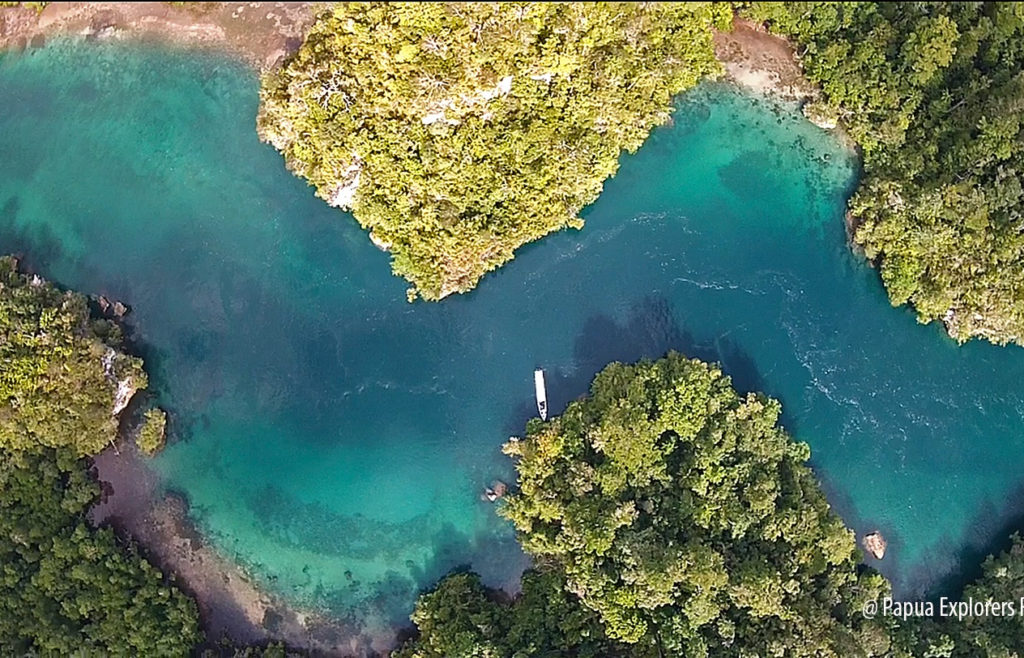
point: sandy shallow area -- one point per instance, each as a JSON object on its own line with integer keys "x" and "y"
{"x": 230, "y": 603}
{"x": 768, "y": 65}
{"x": 261, "y": 33}
{"x": 762, "y": 62}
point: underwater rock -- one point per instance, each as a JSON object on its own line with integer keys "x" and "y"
{"x": 875, "y": 544}
{"x": 495, "y": 491}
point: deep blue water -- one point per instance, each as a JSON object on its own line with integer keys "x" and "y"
{"x": 335, "y": 438}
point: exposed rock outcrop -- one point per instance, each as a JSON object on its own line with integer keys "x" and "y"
{"x": 379, "y": 242}
{"x": 767, "y": 64}
{"x": 874, "y": 543}
{"x": 497, "y": 490}
{"x": 127, "y": 386}
{"x": 344, "y": 194}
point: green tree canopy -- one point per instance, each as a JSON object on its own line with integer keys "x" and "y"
{"x": 934, "y": 93}
{"x": 462, "y": 619}
{"x": 69, "y": 589}
{"x": 62, "y": 375}
{"x": 984, "y": 635}
{"x": 152, "y": 434}
{"x": 685, "y": 517}
{"x": 457, "y": 132}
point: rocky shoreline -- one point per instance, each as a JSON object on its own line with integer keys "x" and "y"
{"x": 231, "y": 604}
{"x": 768, "y": 65}
{"x": 762, "y": 62}
{"x": 260, "y": 33}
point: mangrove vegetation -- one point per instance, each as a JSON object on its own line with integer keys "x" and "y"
{"x": 67, "y": 588}
{"x": 668, "y": 515}
{"x": 457, "y": 132}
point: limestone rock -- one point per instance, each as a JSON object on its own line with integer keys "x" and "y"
{"x": 495, "y": 491}
{"x": 875, "y": 544}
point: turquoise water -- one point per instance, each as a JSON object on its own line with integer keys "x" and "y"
{"x": 335, "y": 438}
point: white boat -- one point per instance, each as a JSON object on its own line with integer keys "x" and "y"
{"x": 542, "y": 394}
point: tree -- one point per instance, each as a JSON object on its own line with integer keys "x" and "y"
{"x": 686, "y": 519}
{"x": 933, "y": 93}
{"x": 460, "y": 618}
{"x": 66, "y": 587}
{"x": 69, "y": 589}
{"x": 63, "y": 376}
{"x": 152, "y": 433}
{"x": 457, "y": 132}
{"x": 995, "y": 632}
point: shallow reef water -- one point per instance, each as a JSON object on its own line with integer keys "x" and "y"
{"x": 335, "y": 439}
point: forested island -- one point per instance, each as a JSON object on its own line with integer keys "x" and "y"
{"x": 456, "y": 133}
{"x": 667, "y": 514}
{"x": 932, "y": 93}
{"x": 670, "y": 516}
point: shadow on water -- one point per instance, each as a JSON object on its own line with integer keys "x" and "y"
{"x": 650, "y": 330}
{"x": 491, "y": 560}
{"x": 989, "y": 534}
{"x": 36, "y": 247}
{"x": 455, "y": 552}
{"x": 290, "y": 522}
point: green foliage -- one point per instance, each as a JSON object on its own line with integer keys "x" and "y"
{"x": 993, "y": 636}
{"x": 456, "y": 620}
{"x": 933, "y": 93}
{"x": 683, "y": 516}
{"x": 69, "y": 589}
{"x": 65, "y": 587}
{"x": 38, "y": 6}
{"x": 981, "y": 636}
{"x": 153, "y": 431}
{"x": 60, "y": 373}
{"x": 466, "y": 130}
{"x": 461, "y": 619}
{"x": 226, "y": 649}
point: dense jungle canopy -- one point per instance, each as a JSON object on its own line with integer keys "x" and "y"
{"x": 933, "y": 92}
{"x": 66, "y": 587}
{"x": 457, "y": 132}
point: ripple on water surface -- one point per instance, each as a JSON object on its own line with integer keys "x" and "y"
{"x": 336, "y": 437}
